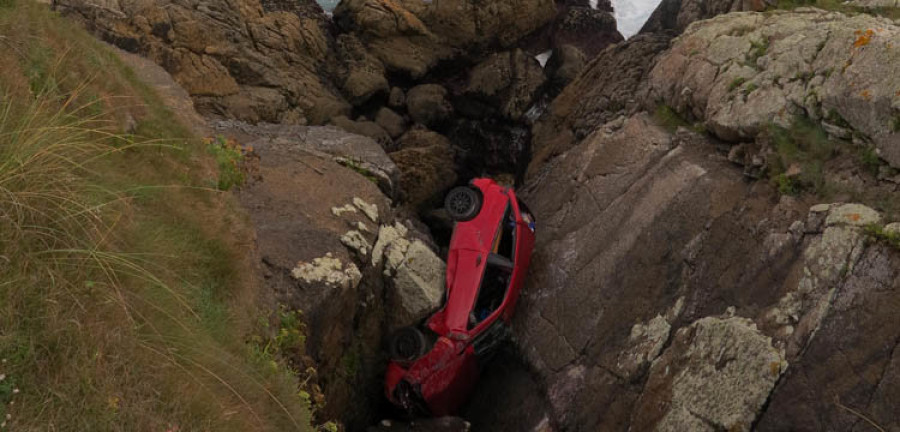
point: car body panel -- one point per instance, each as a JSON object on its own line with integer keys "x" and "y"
{"x": 446, "y": 374}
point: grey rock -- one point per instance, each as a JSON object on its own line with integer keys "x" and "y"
{"x": 605, "y": 90}
{"x": 740, "y": 73}
{"x": 717, "y": 375}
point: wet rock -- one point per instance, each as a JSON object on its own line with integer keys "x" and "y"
{"x": 229, "y": 56}
{"x": 506, "y": 82}
{"x": 428, "y": 105}
{"x": 391, "y": 122}
{"x": 425, "y": 160}
{"x": 740, "y": 73}
{"x": 365, "y": 128}
{"x": 605, "y": 90}
{"x": 717, "y": 375}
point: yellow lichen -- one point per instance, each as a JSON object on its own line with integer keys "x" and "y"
{"x": 863, "y": 38}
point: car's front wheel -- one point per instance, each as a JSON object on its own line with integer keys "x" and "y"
{"x": 407, "y": 344}
{"x": 463, "y": 203}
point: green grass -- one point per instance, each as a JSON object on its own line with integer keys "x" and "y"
{"x": 757, "y": 49}
{"x": 670, "y": 120}
{"x": 126, "y": 295}
{"x": 735, "y": 83}
{"x": 804, "y": 145}
{"x": 228, "y": 158}
{"x": 878, "y": 233}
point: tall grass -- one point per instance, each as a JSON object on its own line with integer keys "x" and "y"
{"x": 125, "y": 291}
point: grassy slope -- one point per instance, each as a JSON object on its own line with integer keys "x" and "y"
{"x": 125, "y": 293}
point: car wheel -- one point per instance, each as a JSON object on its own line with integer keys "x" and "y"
{"x": 407, "y": 344}
{"x": 463, "y": 203}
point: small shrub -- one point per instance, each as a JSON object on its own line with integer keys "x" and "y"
{"x": 786, "y": 185}
{"x": 878, "y": 233}
{"x": 895, "y": 123}
{"x": 757, "y": 50}
{"x": 806, "y": 145}
{"x": 869, "y": 160}
{"x": 752, "y": 87}
{"x": 228, "y": 156}
{"x": 355, "y": 166}
{"x": 735, "y": 83}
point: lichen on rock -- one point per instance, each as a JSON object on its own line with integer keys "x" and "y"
{"x": 329, "y": 271}
{"x": 717, "y": 375}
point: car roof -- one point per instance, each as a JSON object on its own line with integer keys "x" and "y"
{"x": 469, "y": 248}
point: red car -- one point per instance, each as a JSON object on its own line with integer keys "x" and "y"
{"x": 433, "y": 369}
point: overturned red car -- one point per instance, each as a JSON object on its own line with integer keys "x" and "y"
{"x": 434, "y": 368}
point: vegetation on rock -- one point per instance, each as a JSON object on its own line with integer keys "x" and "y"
{"x": 125, "y": 291}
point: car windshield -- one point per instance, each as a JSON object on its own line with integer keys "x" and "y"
{"x": 498, "y": 271}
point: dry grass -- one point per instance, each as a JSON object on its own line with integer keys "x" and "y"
{"x": 125, "y": 294}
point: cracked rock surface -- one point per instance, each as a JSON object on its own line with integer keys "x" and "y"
{"x": 740, "y": 72}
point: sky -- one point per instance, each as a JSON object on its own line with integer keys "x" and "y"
{"x": 631, "y": 14}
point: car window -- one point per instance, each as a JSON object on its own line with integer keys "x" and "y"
{"x": 498, "y": 271}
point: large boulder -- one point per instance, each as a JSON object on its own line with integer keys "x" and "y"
{"x": 741, "y": 73}
{"x": 565, "y": 64}
{"x": 391, "y": 122}
{"x": 603, "y": 91}
{"x": 668, "y": 293}
{"x": 360, "y": 74}
{"x": 229, "y": 57}
{"x": 355, "y": 151}
{"x": 590, "y": 30}
{"x": 415, "y": 273}
{"x": 675, "y": 15}
{"x": 426, "y": 162}
{"x": 506, "y": 82}
{"x": 411, "y": 36}
{"x": 365, "y": 128}
{"x": 428, "y": 104}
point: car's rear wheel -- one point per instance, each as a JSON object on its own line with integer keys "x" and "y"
{"x": 463, "y": 203}
{"x": 407, "y": 344}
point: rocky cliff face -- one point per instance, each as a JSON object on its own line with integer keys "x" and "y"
{"x": 741, "y": 72}
{"x": 677, "y": 283}
{"x": 670, "y": 289}
{"x": 248, "y": 60}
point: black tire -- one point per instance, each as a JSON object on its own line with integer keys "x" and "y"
{"x": 463, "y": 203}
{"x": 407, "y": 344}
